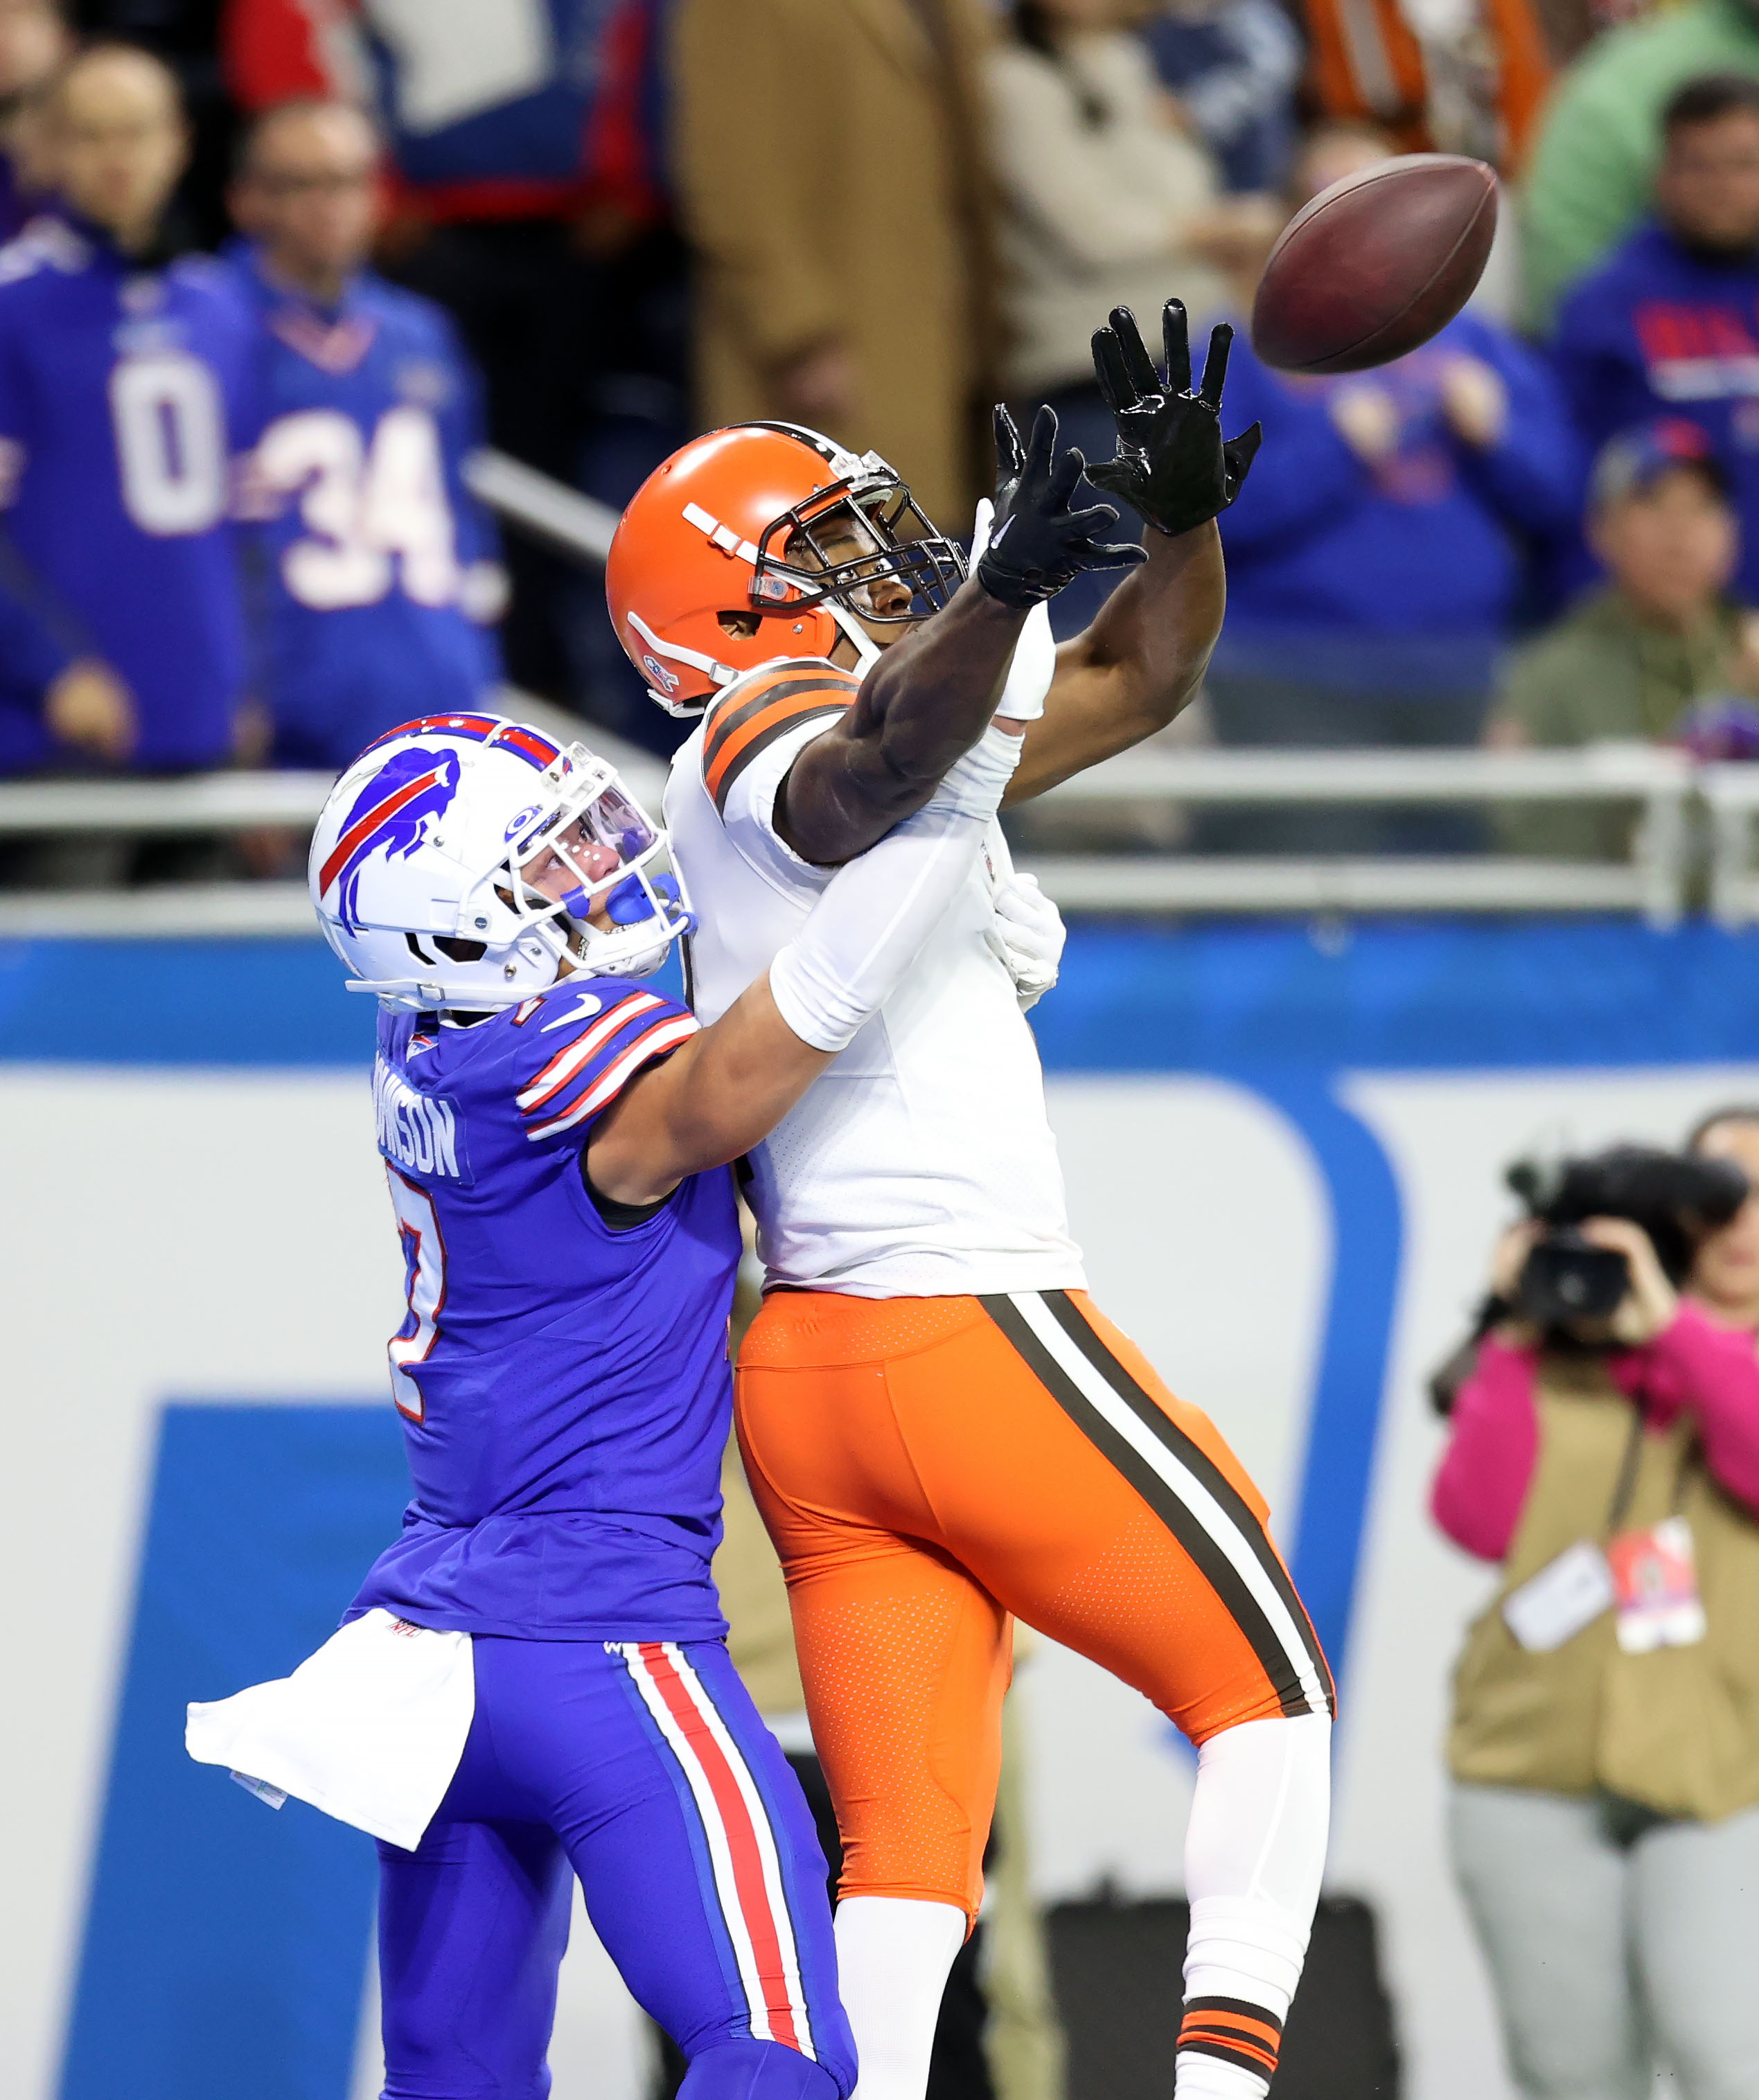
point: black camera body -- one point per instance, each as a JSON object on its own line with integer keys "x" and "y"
{"x": 1567, "y": 1277}
{"x": 1676, "y": 1198}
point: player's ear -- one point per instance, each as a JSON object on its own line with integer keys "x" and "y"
{"x": 741, "y": 626}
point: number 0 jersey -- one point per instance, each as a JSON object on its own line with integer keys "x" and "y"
{"x": 922, "y": 1163}
{"x": 118, "y": 382}
{"x": 564, "y": 1387}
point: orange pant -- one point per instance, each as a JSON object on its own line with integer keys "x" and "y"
{"x": 929, "y": 1466}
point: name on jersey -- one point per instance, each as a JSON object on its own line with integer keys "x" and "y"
{"x": 418, "y": 1131}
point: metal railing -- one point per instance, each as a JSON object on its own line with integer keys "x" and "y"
{"x": 1661, "y": 784}
{"x": 1658, "y": 780}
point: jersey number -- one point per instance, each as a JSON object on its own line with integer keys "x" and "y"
{"x": 170, "y": 442}
{"x": 424, "y": 1253}
{"x": 364, "y": 507}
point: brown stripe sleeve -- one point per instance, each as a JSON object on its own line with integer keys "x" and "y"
{"x": 787, "y": 708}
{"x": 752, "y": 694}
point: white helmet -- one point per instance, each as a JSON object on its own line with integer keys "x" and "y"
{"x": 422, "y": 860}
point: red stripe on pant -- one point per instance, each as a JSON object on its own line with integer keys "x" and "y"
{"x": 741, "y": 1842}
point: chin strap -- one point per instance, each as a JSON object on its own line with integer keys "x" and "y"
{"x": 723, "y": 674}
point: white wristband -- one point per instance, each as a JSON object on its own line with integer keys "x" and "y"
{"x": 1034, "y": 662}
{"x": 974, "y": 784}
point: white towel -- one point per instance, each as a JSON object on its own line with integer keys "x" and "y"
{"x": 370, "y": 1729}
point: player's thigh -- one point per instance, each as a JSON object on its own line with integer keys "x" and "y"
{"x": 472, "y": 1927}
{"x": 1107, "y": 1513}
{"x": 696, "y": 1854}
{"x": 905, "y": 1657}
{"x": 904, "y": 1654}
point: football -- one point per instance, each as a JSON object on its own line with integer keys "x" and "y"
{"x": 1375, "y": 264}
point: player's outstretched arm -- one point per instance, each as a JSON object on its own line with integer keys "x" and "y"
{"x": 930, "y": 695}
{"x": 1144, "y": 657}
{"x": 727, "y": 1087}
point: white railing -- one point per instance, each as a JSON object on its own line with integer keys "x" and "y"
{"x": 1654, "y": 882}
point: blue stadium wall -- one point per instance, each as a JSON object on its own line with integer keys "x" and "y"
{"x": 183, "y": 1943}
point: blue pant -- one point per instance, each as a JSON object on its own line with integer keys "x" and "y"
{"x": 645, "y": 1770}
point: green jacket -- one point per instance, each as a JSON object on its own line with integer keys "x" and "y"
{"x": 1602, "y": 672}
{"x": 1588, "y": 178}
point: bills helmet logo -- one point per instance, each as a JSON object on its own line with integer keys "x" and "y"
{"x": 390, "y": 813}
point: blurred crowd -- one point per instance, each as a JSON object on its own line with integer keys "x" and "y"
{"x": 279, "y": 268}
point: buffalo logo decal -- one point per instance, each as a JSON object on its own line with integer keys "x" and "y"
{"x": 390, "y": 812}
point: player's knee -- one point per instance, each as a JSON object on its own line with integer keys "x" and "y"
{"x": 749, "y": 2070}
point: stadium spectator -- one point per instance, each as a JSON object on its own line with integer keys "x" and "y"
{"x": 1106, "y": 201}
{"x": 119, "y": 371}
{"x": 1669, "y": 324}
{"x": 377, "y": 567}
{"x": 33, "y": 44}
{"x": 1373, "y": 557}
{"x": 525, "y": 152}
{"x": 1592, "y": 167}
{"x": 832, "y": 172}
{"x": 1232, "y": 66}
{"x": 1633, "y": 658}
{"x": 1605, "y": 1754}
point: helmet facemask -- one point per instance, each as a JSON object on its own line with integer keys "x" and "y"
{"x": 595, "y": 869}
{"x": 805, "y": 558}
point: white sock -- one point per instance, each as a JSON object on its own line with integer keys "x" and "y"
{"x": 893, "y": 1953}
{"x": 1254, "y": 1852}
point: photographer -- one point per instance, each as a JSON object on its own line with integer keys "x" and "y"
{"x": 1605, "y": 1746}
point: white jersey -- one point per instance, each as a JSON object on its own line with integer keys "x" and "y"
{"x": 920, "y": 1163}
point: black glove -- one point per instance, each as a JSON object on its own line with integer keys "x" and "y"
{"x": 1039, "y": 544}
{"x": 1172, "y": 466}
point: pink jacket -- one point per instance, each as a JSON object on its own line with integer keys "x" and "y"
{"x": 1692, "y": 1364}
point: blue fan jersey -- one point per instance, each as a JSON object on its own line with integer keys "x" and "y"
{"x": 118, "y": 384}
{"x": 564, "y": 1388}
{"x": 369, "y": 544}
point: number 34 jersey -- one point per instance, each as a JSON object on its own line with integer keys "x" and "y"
{"x": 920, "y": 1163}
{"x": 118, "y": 383}
{"x": 564, "y": 1387}
{"x": 375, "y": 565}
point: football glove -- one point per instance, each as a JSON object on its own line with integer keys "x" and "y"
{"x": 1039, "y": 544}
{"x": 1173, "y": 465}
{"x": 1027, "y": 933}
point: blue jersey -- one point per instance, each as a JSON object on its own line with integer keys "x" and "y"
{"x": 1658, "y": 331}
{"x": 564, "y": 1387}
{"x": 369, "y": 544}
{"x": 117, "y": 386}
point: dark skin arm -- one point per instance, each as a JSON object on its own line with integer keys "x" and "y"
{"x": 1128, "y": 675}
{"x": 717, "y": 1095}
{"x": 923, "y": 706}
{"x": 932, "y": 693}
{"x": 1136, "y": 667}
{"x": 1144, "y": 657}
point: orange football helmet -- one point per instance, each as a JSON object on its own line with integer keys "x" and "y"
{"x": 748, "y": 521}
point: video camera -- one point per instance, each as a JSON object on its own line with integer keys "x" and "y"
{"x": 1676, "y": 1198}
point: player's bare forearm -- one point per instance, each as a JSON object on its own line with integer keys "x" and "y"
{"x": 921, "y": 707}
{"x": 719, "y": 1094}
{"x": 1139, "y": 664}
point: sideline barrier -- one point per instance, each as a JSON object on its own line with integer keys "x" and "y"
{"x": 1284, "y": 1158}
{"x": 1661, "y": 783}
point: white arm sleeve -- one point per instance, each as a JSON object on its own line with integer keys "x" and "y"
{"x": 1033, "y": 663}
{"x": 867, "y": 929}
